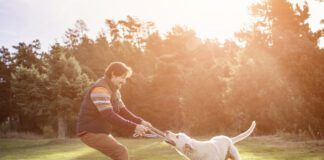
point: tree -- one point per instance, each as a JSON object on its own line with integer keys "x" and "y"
{"x": 73, "y": 36}
{"x": 29, "y": 89}
{"x": 28, "y": 55}
{"x": 67, "y": 85}
{"x": 165, "y": 97}
{"x": 6, "y": 106}
{"x": 282, "y": 38}
{"x": 204, "y": 90}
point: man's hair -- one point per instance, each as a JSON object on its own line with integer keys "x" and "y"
{"x": 118, "y": 69}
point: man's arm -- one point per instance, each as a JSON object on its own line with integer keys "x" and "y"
{"x": 131, "y": 116}
{"x": 101, "y": 98}
{"x": 124, "y": 112}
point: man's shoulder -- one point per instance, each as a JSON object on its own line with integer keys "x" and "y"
{"x": 101, "y": 85}
{"x": 100, "y": 89}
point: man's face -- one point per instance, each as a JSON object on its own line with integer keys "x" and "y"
{"x": 118, "y": 81}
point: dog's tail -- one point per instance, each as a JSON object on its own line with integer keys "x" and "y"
{"x": 244, "y": 134}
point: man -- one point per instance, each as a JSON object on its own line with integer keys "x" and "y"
{"x": 102, "y": 108}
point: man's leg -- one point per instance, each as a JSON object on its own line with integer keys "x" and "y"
{"x": 106, "y": 144}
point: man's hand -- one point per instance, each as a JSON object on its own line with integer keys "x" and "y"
{"x": 146, "y": 124}
{"x": 140, "y": 130}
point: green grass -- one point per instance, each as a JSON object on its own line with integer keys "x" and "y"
{"x": 255, "y": 148}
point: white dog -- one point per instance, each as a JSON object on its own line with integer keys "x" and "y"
{"x": 217, "y": 148}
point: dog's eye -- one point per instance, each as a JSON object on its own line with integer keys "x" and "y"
{"x": 177, "y": 136}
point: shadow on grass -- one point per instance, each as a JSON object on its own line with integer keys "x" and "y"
{"x": 90, "y": 155}
{"x": 269, "y": 148}
{"x": 41, "y": 149}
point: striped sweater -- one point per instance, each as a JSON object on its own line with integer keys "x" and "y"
{"x": 102, "y": 108}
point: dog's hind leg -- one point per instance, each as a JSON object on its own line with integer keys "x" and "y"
{"x": 234, "y": 154}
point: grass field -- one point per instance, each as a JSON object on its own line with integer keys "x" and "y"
{"x": 254, "y": 148}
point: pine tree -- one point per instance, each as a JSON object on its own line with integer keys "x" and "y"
{"x": 67, "y": 85}
{"x": 28, "y": 87}
{"x": 6, "y": 106}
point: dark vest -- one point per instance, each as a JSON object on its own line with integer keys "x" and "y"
{"x": 89, "y": 118}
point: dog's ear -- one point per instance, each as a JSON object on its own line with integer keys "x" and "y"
{"x": 187, "y": 149}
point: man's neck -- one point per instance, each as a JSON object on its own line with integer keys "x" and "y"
{"x": 110, "y": 84}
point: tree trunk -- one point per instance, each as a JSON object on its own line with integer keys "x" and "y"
{"x": 62, "y": 128}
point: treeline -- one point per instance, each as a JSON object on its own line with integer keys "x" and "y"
{"x": 273, "y": 72}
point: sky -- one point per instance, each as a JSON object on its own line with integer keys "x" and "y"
{"x": 47, "y": 20}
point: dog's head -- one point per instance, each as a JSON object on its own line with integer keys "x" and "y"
{"x": 180, "y": 141}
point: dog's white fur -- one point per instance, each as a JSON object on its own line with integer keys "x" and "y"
{"x": 217, "y": 148}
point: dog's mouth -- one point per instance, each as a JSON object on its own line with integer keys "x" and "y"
{"x": 171, "y": 142}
